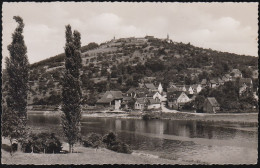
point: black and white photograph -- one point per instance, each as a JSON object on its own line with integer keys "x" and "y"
{"x": 128, "y": 83}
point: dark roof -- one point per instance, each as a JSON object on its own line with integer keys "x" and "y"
{"x": 213, "y": 101}
{"x": 204, "y": 82}
{"x": 139, "y": 95}
{"x": 174, "y": 95}
{"x": 172, "y": 89}
{"x": 150, "y": 94}
{"x": 212, "y": 81}
{"x": 149, "y": 86}
{"x": 127, "y": 98}
{"x": 109, "y": 96}
{"x": 140, "y": 100}
{"x": 131, "y": 90}
{"x": 152, "y": 101}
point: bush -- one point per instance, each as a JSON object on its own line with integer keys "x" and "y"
{"x": 93, "y": 140}
{"x": 14, "y": 146}
{"x": 149, "y": 116}
{"x": 113, "y": 144}
{"x": 120, "y": 147}
{"x": 42, "y": 141}
{"x": 109, "y": 138}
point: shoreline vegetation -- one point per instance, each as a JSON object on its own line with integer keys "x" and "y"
{"x": 251, "y": 118}
{"x": 83, "y": 155}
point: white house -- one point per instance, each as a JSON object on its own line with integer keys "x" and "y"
{"x": 153, "y": 104}
{"x": 196, "y": 88}
{"x": 177, "y": 99}
{"x": 157, "y": 96}
{"x": 189, "y": 90}
{"x": 160, "y": 88}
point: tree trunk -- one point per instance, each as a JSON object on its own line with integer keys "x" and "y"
{"x": 11, "y": 147}
{"x": 70, "y": 148}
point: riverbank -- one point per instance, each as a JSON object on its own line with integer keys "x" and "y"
{"x": 83, "y": 156}
{"x": 169, "y": 115}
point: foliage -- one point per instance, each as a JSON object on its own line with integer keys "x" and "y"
{"x": 112, "y": 143}
{"x": 198, "y": 103}
{"x": 94, "y": 140}
{"x": 42, "y": 142}
{"x": 150, "y": 115}
{"x": 71, "y": 91}
{"x": 131, "y": 103}
{"x": 51, "y": 100}
{"x": 228, "y": 97}
{"x": 17, "y": 67}
{"x": 188, "y": 106}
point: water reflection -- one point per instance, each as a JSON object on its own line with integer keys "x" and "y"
{"x": 169, "y": 138}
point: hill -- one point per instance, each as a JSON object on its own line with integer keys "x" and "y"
{"x": 122, "y": 63}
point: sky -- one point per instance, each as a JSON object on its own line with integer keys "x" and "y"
{"x": 230, "y": 27}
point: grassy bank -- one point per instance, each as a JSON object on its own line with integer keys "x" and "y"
{"x": 221, "y": 117}
{"x": 83, "y": 156}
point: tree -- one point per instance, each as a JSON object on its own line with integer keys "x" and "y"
{"x": 198, "y": 103}
{"x": 71, "y": 91}
{"x": 14, "y": 118}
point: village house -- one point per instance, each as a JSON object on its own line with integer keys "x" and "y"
{"x": 153, "y": 104}
{"x": 189, "y": 90}
{"x": 204, "y": 83}
{"x": 137, "y": 92}
{"x": 160, "y": 88}
{"x": 212, "y": 83}
{"x": 125, "y": 102}
{"x": 176, "y": 99}
{"x": 196, "y": 88}
{"x": 211, "y": 105}
{"x": 150, "y": 87}
{"x": 141, "y": 103}
{"x": 111, "y": 99}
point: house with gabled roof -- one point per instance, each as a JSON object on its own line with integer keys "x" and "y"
{"x": 220, "y": 81}
{"x": 141, "y": 103}
{"x": 211, "y": 105}
{"x": 204, "y": 82}
{"x": 150, "y": 87}
{"x": 196, "y": 88}
{"x": 177, "y": 99}
{"x": 111, "y": 99}
{"x": 212, "y": 83}
{"x": 125, "y": 102}
{"x": 153, "y": 104}
{"x": 189, "y": 90}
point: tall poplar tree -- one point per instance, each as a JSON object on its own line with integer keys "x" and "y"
{"x": 71, "y": 91}
{"x": 14, "y": 116}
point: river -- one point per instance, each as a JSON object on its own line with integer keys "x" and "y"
{"x": 195, "y": 141}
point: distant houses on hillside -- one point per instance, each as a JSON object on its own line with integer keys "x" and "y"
{"x": 150, "y": 96}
